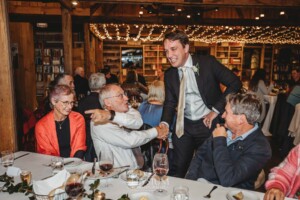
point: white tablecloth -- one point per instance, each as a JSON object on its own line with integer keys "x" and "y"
{"x": 294, "y": 127}
{"x": 34, "y": 162}
{"x": 272, "y": 102}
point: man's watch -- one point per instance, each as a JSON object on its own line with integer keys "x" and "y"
{"x": 112, "y": 115}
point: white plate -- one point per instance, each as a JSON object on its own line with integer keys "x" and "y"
{"x": 139, "y": 195}
{"x": 99, "y": 175}
{"x": 247, "y": 195}
{"x": 76, "y": 162}
{"x": 144, "y": 177}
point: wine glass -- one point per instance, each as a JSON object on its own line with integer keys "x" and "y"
{"x": 74, "y": 186}
{"x": 106, "y": 162}
{"x": 160, "y": 168}
{"x": 7, "y": 158}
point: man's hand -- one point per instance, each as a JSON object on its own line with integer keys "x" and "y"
{"x": 99, "y": 116}
{"x": 274, "y": 194}
{"x": 162, "y": 132}
{"x": 209, "y": 118}
{"x": 219, "y": 131}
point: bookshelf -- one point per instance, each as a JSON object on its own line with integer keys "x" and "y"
{"x": 151, "y": 62}
{"x": 49, "y": 61}
{"x": 230, "y": 54}
{"x": 112, "y": 57}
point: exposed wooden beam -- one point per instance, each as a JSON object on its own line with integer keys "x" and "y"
{"x": 240, "y": 13}
{"x": 94, "y": 8}
{"x": 66, "y": 4}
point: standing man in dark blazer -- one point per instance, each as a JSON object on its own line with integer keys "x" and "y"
{"x": 202, "y": 97}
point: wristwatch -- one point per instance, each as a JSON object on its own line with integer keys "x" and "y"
{"x": 112, "y": 115}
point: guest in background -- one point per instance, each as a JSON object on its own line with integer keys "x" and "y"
{"x": 116, "y": 133}
{"x": 96, "y": 82}
{"x": 295, "y": 78}
{"x": 284, "y": 180}
{"x": 61, "y": 132}
{"x": 81, "y": 83}
{"x": 257, "y": 84}
{"x": 151, "y": 110}
{"x": 202, "y": 97}
{"x": 133, "y": 88}
{"x": 110, "y": 78}
{"x": 234, "y": 158}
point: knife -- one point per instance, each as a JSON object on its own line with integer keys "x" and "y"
{"x": 67, "y": 163}
{"x": 122, "y": 167}
{"x": 21, "y": 156}
{"x": 148, "y": 180}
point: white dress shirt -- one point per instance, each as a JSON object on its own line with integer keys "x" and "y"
{"x": 120, "y": 140}
{"x": 195, "y": 108}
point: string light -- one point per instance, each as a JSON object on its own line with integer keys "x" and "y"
{"x": 207, "y": 34}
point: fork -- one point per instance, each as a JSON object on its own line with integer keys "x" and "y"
{"x": 208, "y": 195}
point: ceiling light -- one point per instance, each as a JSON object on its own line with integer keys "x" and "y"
{"x": 256, "y": 18}
{"x": 282, "y": 13}
{"x": 198, "y": 13}
{"x": 179, "y": 9}
{"x": 41, "y": 25}
{"x": 188, "y": 16}
{"x": 262, "y": 15}
{"x": 141, "y": 12}
{"x": 74, "y": 2}
{"x": 216, "y": 9}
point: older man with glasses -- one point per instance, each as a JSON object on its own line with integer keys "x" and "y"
{"x": 62, "y": 131}
{"x": 118, "y": 127}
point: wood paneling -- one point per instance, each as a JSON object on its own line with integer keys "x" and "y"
{"x": 67, "y": 39}
{"x": 7, "y": 100}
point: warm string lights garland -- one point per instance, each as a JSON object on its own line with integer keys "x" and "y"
{"x": 198, "y": 33}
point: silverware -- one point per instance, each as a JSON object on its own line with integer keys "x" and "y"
{"x": 93, "y": 168}
{"x": 208, "y": 195}
{"x": 67, "y": 163}
{"x": 121, "y": 167}
{"x": 47, "y": 177}
{"x": 148, "y": 180}
{"x": 21, "y": 156}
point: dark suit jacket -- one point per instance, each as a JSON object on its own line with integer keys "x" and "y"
{"x": 236, "y": 165}
{"x": 211, "y": 74}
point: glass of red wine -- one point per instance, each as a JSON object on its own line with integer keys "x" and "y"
{"x": 160, "y": 168}
{"x": 106, "y": 162}
{"x": 74, "y": 186}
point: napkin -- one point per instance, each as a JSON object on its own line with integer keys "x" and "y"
{"x": 13, "y": 171}
{"x": 43, "y": 187}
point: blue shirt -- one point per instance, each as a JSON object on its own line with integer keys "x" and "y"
{"x": 241, "y": 137}
{"x": 151, "y": 113}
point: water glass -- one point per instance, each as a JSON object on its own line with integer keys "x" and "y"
{"x": 57, "y": 164}
{"x": 7, "y": 158}
{"x": 26, "y": 176}
{"x": 132, "y": 179}
{"x": 180, "y": 193}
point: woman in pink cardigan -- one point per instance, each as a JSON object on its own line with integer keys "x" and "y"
{"x": 284, "y": 180}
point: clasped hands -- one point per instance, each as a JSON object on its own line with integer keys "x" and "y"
{"x": 162, "y": 131}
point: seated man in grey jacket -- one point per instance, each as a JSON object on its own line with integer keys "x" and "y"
{"x": 235, "y": 153}
{"x": 116, "y": 128}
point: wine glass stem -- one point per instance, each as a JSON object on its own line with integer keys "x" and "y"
{"x": 159, "y": 186}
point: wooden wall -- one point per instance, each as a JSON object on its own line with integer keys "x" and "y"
{"x": 7, "y": 100}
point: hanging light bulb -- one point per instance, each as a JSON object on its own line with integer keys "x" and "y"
{"x": 74, "y": 2}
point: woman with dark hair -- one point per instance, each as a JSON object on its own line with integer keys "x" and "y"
{"x": 62, "y": 131}
{"x": 133, "y": 88}
{"x": 257, "y": 85}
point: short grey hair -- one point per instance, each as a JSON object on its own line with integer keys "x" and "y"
{"x": 105, "y": 92}
{"x": 97, "y": 81}
{"x": 157, "y": 91}
{"x": 247, "y": 104}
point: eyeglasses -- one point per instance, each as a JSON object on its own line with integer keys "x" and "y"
{"x": 67, "y": 103}
{"x": 119, "y": 96}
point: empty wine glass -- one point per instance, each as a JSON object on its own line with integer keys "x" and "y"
{"x": 106, "y": 162}
{"x": 7, "y": 158}
{"x": 160, "y": 168}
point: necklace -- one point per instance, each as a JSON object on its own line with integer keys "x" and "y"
{"x": 60, "y": 123}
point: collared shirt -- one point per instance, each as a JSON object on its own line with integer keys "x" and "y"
{"x": 241, "y": 137}
{"x": 195, "y": 108}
